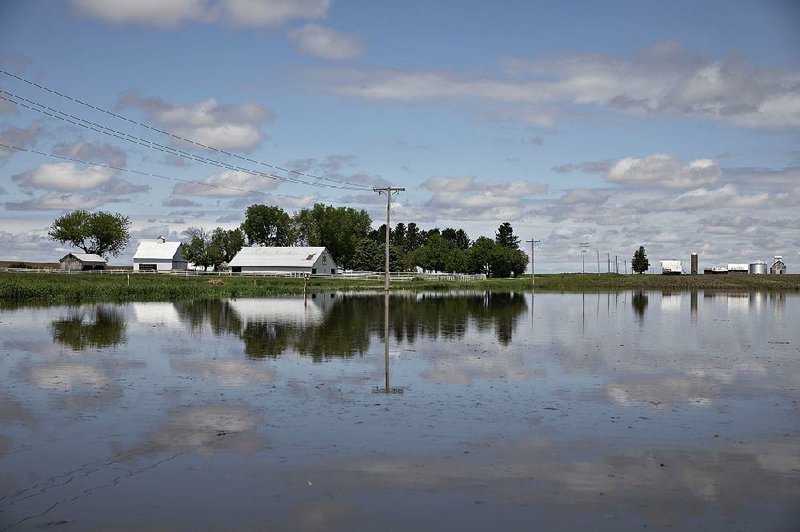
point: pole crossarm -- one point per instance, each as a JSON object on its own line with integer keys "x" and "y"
{"x": 389, "y": 191}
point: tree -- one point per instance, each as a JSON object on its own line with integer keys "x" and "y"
{"x": 201, "y": 250}
{"x": 639, "y": 263}
{"x": 457, "y": 236}
{"x": 505, "y": 236}
{"x": 495, "y": 260}
{"x": 413, "y": 238}
{"x": 101, "y": 233}
{"x": 267, "y": 225}
{"x": 229, "y": 242}
{"x": 440, "y": 254}
{"x": 336, "y": 228}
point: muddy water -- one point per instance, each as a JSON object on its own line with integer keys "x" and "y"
{"x": 670, "y": 411}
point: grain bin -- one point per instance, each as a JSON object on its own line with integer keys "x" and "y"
{"x": 758, "y": 267}
{"x": 694, "y": 264}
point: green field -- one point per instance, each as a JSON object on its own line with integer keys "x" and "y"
{"x": 19, "y": 287}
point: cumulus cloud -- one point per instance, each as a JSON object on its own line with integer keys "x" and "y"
{"x": 583, "y": 196}
{"x": 179, "y": 202}
{"x": 100, "y": 153}
{"x": 589, "y": 167}
{"x": 663, "y": 170}
{"x": 465, "y": 198}
{"x": 449, "y": 184}
{"x": 325, "y": 43}
{"x": 64, "y": 177}
{"x": 235, "y": 184}
{"x": 667, "y": 80}
{"x": 160, "y": 14}
{"x": 21, "y": 137}
{"x": 223, "y": 126}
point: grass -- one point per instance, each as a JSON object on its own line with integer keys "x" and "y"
{"x": 19, "y": 287}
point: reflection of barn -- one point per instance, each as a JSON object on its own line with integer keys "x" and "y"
{"x": 292, "y": 260}
{"x": 299, "y": 312}
{"x": 778, "y": 267}
{"x": 82, "y": 262}
{"x": 159, "y": 255}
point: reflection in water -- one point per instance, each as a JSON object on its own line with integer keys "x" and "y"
{"x": 639, "y": 302}
{"x": 335, "y": 325}
{"x": 93, "y": 327}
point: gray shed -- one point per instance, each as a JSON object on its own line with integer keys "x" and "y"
{"x": 82, "y": 262}
{"x": 302, "y": 260}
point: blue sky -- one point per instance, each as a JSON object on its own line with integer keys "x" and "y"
{"x": 672, "y": 125}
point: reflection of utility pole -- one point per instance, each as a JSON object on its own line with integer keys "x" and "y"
{"x": 389, "y": 191}
{"x": 583, "y": 246}
{"x": 533, "y": 262}
{"x": 386, "y": 337}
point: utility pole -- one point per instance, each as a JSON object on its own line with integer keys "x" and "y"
{"x": 389, "y": 192}
{"x": 583, "y": 246}
{"x": 616, "y": 263}
{"x": 608, "y": 258}
{"x": 598, "y": 262}
{"x": 533, "y": 262}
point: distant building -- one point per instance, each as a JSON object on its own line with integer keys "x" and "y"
{"x": 159, "y": 255}
{"x": 82, "y": 262}
{"x": 671, "y": 267}
{"x": 303, "y": 260}
{"x": 738, "y": 268}
{"x": 778, "y": 267}
{"x": 716, "y": 270}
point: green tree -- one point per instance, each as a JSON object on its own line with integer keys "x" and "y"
{"x": 267, "y": 225}
{"x": 413, "y": 238}
{"x": 441, "y": 255}
{"x": 457, "y": 236}
{"x": 101, "y": 233}
{"x": 505, "y": 236}
{"x": 639, "y": 263}
{"x": 495, "y": 260}
{"x": 336, "y": 228}
{"x": 229, "y": 242}
{"x": 201, "y": 250}
{"x": 368, "y": 256}
{"x": 397, "y": 237}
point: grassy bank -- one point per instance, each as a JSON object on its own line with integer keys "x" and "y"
{"x": 59, "y": 288}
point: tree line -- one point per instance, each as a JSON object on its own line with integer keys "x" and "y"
{"x": 345, "y": 232}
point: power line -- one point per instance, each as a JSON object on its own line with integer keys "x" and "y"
{"x": 173, "y": 135}
{"x": 99, "y": 128}
{"x": 150, "y": 174}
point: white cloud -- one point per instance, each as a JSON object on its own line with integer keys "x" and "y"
{"x": 464, "y": 198}
{"x": 666, "y": 79}
{"x": 168, "y": 14}
{"x": 95, "y": 153}
{"x": 663, "y": 170}
{"x": 58, "y": 201}
{"x": 244, "y": 184}
{"x": 274, "y": 12}
{"x": 64, "y": 177}
{"x": 156, "y": 13}
{"x": 21, "y": 137}
{"x": 449, "y": 184}
{"x": 583, "y": 196}
{"x": 227, "y": 127}
{"x": 318, "y": 41}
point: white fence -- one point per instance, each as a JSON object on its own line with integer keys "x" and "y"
{"x": 393, "y": 276}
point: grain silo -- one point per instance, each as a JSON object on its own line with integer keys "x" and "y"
{"x": 758, "y": 267}
{"x": 694, "y": 264}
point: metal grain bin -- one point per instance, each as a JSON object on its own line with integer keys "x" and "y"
{"x": 758, "y": 267}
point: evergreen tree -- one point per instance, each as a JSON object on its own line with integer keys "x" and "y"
{"x": 640, "y": 264}
{"x": 505, "y": 236}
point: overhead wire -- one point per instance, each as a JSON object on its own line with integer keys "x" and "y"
{"x": 173, "y": 135}
{"x": 99, "y": 128}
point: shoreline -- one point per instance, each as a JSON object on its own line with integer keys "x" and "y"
{"x": 24, "y": 287}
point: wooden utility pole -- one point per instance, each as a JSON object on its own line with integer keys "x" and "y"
{"x": 583, "y": 246}
{"x": 389, "y": 191}
{"x": 533, "y": 262}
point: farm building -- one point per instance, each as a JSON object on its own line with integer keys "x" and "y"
{"x": 671, "y": 267}
{"x": 738, "y": 268}
{"x": 159, "y": 255}
{"x": 778, "y": 267}
{"x": 299, "y": 260}
{"x": 82, "y": 262}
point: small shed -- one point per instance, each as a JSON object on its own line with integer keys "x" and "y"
{"x": 159, "y": 256}
{"x": 778, "y": 266}
{"x": 302, "y": 260}
{"x": 671, "y": 267}
{"x": 82, "y": 262}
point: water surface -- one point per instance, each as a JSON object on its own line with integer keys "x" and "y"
{"x": 673, "y": 411}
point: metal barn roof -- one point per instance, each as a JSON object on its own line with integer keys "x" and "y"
{"x": 156, "y": 249}
{"x": 85, "y": 257}
{"x": 291, "y": 257}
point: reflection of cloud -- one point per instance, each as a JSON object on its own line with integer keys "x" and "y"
{"x": 322, "y": 515}
{"x": 207, "y": 428}
{"x": 156, "y": 314}
{"x": 227, "y": 372}
{"x": 663, "y": 394}
{"x": 67, "y": 376}
{"x": 11, "y": 411}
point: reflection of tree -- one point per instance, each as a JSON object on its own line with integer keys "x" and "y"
{"x": 639, "y": 302}
{"x": 101, "y": 326}
{"x": 347, "y": 321}
{"x": 217, "y": 313}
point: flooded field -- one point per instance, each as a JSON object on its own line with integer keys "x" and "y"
{"x": 625, "y": 411}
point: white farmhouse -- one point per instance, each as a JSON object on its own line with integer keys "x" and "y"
{"x": 302, "y": 260}
{"x": 159, "y": 255}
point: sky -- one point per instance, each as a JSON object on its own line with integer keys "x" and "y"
{"x": 672, "y": 125}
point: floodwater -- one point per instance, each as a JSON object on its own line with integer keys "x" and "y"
{"x": 623, "y": 411}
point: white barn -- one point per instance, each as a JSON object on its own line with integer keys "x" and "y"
{"x": 303, "y": 260}
{"x": 159, "y": 255}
